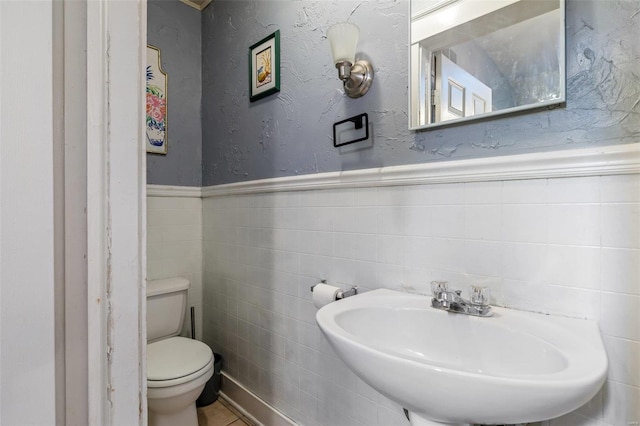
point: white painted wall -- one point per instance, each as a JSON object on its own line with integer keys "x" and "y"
{"x": 32, "y": 374}
{"x": 27, "y": 367}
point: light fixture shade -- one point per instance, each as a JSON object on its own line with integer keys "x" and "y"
{"x": 344, "y": 39}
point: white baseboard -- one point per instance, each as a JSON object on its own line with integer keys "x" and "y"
{"x": 250, "y": 405}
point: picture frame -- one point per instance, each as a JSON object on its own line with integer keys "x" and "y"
{"x": 264, "y": 67}
{"x": 156, "y": 103}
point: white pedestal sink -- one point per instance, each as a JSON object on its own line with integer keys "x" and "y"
{"x": 450, "y": 368}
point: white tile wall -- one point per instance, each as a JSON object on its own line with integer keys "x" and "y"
{"x": 174, "y": 247}
{"x": 563, "y": 246}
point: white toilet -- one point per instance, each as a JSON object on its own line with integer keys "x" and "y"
{"x": 177, "y": 367}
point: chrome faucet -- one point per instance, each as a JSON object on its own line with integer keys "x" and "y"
{"x": 452, "y": 301}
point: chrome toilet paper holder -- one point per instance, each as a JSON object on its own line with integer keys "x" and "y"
{"x": 341, "y": 294}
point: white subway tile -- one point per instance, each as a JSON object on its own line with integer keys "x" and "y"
{"x": 343, "y": 245}
{"x": 325, "y": 266}
{"x": 447, "y": 194}
{"x": 364, "y": 247}
{"x": 154, "y": 234}
{"x": 389, "y": 276}
{"x": 365, "y": 220}
{"x": 343, "y": 273}
{"x": 418, "y": 221}
{"x": 594, "y": 409}
{"x": 525, "y": 295}
{"x": 392, "y": 416}
{"x": 365, "y": 196}
{"x": 574, "y": 419}
{"x": 482, "y": 258}
{"x": 493, "y": 234}
{"x": 574, "y": 224}
{"x": 419, "y": 251}
{"x": 172, "y": 250}
{"x": 417, "y": 195}
{"x": 574, "y": 266}
{"x": 288, "y": 218}
{"x": 621, "y": 404}
{"x": 624, "y": 360}
{"x": 316, "y": 219}
{"x": 573, "y": 302}
{"x": 621, "y": 225}
{"x": 620, "y": 189}
{"x": 621, "y": 270}
{"x": 391, "y": 196}
{"x": 365, "y": 410}
{"x": 365, "y": 274}
{"x": 445, "y": 254}
{"x": 620, "y": 316}
{"x": 530, "y": 191}
{"x": 416, "y": 280}
{"x": 483, "y": 193}
{"x": 573, "y": 190}
{"x": 170, "y": 217}
{"x": 325, "y": 197}
{"x": 526, "y": 223}
{"x": 525, "y": 262}
{"x": 390, "y": 249}
{"x": 182, "y": 233}
{"x": 483, "y": 222}
{"x": 344, "y": 219}
{"x": 344, "y": 197}
{"x": 286, "y": 239}
{"x": 363, "y": 389}
{"x": 391, "y": 220}
{"x": 449, "y": 221}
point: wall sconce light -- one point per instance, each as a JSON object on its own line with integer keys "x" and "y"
{"x": 355, "y": 75}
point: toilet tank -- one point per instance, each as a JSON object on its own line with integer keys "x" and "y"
{"x": 166, "y": 306}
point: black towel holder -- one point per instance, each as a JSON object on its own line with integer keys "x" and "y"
{"x": 359, "y": 121}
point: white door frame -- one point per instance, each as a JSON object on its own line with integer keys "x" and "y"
{"x": 38, "y": 115}
{"x": 116, "y": 212}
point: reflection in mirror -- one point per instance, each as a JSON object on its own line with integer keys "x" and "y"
{"x": 478, "y": 58}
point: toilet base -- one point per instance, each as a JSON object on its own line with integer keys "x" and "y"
{"x": 188, "y": 416}
{"x": 176, "y": 405}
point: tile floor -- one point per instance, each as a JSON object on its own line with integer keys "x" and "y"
{"x": 221, "y": 413}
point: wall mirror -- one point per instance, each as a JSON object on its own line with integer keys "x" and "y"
{"x": 472, "y": 59}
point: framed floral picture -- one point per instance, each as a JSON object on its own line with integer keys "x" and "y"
{"x": 264, "y": 67}
{"x": 156, "y": 103}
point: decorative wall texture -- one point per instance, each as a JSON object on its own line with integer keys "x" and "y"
{"x": 566, "y": 246}
{"x": 290, "y": 133}
{"x": 538, "y": 243}
{"x": 174, "y": 27}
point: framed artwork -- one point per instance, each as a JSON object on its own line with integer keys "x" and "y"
{"x": 156, "y": 103}
{"x": 264, "y": 67}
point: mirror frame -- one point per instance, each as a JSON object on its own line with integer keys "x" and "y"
{"x": 417, "y": 80}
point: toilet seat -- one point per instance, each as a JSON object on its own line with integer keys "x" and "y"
{"x": 177, "y": 360}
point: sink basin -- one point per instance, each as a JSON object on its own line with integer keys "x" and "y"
{"x": 512, "y": 367}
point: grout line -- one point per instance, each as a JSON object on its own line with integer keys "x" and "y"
{"x": 239, "y": 415}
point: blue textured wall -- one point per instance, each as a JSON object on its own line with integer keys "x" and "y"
{"x": 290, "y": 132}
{"x": 174, "y": 27}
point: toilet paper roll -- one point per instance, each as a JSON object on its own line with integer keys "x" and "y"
{"x": 324, "y": 294}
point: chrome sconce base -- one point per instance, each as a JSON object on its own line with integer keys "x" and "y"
{"x": 357, "y": 78}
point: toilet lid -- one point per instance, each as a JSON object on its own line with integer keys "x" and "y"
{"x": 176, "y": 357}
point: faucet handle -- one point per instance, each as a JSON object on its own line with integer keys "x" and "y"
{"x": 479, "y": 295}
{"x": 438, "y": 287}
